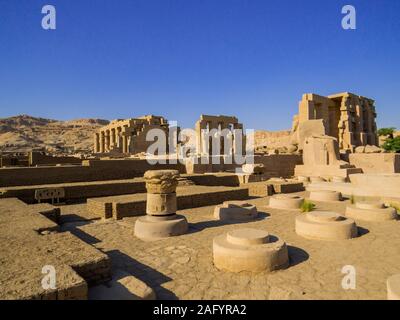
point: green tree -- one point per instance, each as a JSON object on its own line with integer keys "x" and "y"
{"x": 386, "y": 132}
{"x": 392, "y": 144}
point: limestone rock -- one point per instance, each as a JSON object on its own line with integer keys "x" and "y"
{"x": 123, "y": 286}
{"x": 372, "y": 149}
{"x": 360, "y": 149}
{"x": 292, "y": 148}
{"x": 368, "y": 149}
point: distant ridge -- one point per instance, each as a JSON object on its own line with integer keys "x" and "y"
{"x": 23, "y": 132}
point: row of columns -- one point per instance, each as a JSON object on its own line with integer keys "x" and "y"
{"x": 203, "y": 127}
{"x": 106, "y": 140}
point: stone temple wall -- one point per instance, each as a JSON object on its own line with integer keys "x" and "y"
{"x": 347, "y": 117}
{"x": 128, "y": 136}
{"x": 376, "y": 162}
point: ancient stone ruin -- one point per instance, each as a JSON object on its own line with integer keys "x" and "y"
{"x": 249, "y": 250}
{"x": 325, "y": 225}
{"x": 345, "y": 116}
{"x": 207, "y": 126}
{"x": 371, "y": 212}
{"x": 128, "y": 136}
{"x": 321, "y": 159}
{"x": 235, "y": 211}
{"x": 325, "y": 195}
{"x": 161, "y": 220}
{"x": 252, "y": 173}
{"x": 286, "y": 201}
{"x": 116, "y": 208}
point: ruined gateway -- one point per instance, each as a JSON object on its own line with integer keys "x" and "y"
{"x": 283, "y": 227}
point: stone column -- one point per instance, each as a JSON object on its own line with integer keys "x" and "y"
{"x": 124, "y": 143}
{"x": 102, "y": 142}
{"x": 161, "y": 220}
{"x": 119, "y": 138}
{"x": 107, "y": 147}
{"x": 96, "y": 143}
{"x": 125, "y": 133}
{"x": 200, "y": 126}
{"x": 239, "y": 126}
{"x": 113, "y": 138}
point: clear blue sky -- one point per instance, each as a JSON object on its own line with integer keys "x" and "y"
{"x": 180, "y": 58}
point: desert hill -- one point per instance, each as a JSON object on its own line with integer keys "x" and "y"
{"x": 23, "y": 133}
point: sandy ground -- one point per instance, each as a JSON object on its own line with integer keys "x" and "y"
{"x": 182, "y": 268}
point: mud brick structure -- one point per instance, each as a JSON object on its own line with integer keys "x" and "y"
{"x": 13, "y": 159}
{"x": 90, "y": 170}
{"x": 37, "y": 158}
{"x": 271, "y": 187}
{"x": 119, "y": 207}
{"x": 128, "y": 136}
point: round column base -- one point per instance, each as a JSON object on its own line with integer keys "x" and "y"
{"x": 325, "y": 225}
{"x": 286, "y": 202}
{"x": 249, "y": 250}
{"x": 235, "y": 211}
{"x": 371, "y": 212}
{"x": 325, "y": 196}
{"x": 152, "y": 228}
